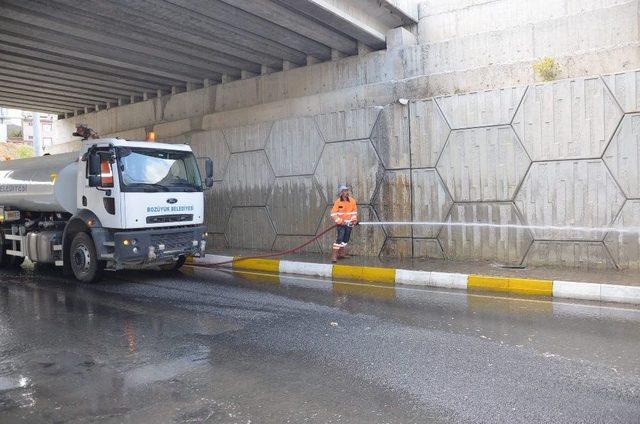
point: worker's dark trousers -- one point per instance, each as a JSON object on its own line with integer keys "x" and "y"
{"x": 344, "y": 233}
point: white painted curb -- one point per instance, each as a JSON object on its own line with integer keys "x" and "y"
{"x": 306, "y": 268}
{"x": 213, "y": 259}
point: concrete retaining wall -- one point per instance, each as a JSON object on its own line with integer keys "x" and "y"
{"x": 516, "y": 152}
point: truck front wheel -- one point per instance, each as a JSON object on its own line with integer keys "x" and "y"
{"x": 84, "y": 260}
{"x": 174, "y": 266}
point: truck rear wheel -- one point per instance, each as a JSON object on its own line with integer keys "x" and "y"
{"x": 84, "y": 260}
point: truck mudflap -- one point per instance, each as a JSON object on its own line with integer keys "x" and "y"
{"x": 158, "y": 245}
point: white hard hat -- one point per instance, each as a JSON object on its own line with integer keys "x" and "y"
{"x": 342, "y": 188}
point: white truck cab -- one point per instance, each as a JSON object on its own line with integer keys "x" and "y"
{"x": 112, "y": 204}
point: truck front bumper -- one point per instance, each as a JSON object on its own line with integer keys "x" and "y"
{"x": 158, "y": 245}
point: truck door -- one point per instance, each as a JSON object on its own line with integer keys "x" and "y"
{"x": 101, "y": 194}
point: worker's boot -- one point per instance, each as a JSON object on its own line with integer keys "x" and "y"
{"x": 334, "y": 256}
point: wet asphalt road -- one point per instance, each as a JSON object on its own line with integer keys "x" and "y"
{"x": 210, "y": 346}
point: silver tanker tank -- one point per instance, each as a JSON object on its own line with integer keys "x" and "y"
{"x": 41, "y": 184}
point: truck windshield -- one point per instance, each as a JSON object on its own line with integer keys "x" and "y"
{"x": 152, "y": 170}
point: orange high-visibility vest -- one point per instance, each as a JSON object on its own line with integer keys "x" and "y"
{"x": 344, "y": 211}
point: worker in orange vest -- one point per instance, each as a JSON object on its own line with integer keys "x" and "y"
{"x": 345, "y": 214}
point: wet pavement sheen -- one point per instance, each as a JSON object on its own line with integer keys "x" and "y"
{"x": 212, "y": 346}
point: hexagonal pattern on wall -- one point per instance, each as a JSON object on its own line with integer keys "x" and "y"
{"x": 625, "y": 87}
{"x": 248, "y": 137}
{"x": 427, "y": 249}
{"x": 431, "y": 202}
{"x": 623, "y": 155}
{"x": 355, "y": 124}
{"x": 483, "y": 164}
{"x": 576, "y": 193}
{"x": 498, "y": 237}
{"x": 563, "y": 125}
{"x": 568, "y": 119}
{"x": 212, "y": 144}
{"x": 353, "y": 163}
{"x": 366, "y": 240}
{"x": 249, "y": 179}
{"x": 285, "y": 242}
{"x": 217, "y": 207}
{"x": 583, "y": 254}
{"x": 250, "y": 228}
{"x": 624, "y": 244}
{"x": 429, "y": 132}
{"x": 392, "y": 201}
{"x": 294, "y": 146}
{"x": 481, "y": 108}
{"x": 397, "y": 248}
{"x": 296, "y": 205}
{"x": 217, "y": 241}
{"x": 390, "y": 136}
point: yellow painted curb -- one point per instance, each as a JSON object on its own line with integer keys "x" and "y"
{"x": 365, "y": 273}
{"x": 268, "y": 265}
{"x": 510, "y": 285}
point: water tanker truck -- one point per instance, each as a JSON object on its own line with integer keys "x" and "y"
{"x": 112, "y": 205}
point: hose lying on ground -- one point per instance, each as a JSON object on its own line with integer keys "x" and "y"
{"x": 271, "y": 255}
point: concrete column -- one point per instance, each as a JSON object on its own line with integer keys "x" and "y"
{"x": 264, "y": 70}
{"x": 228, "y": 78}
{"x": 337, "y": 54}
{"x": 132, "y": 99}
{"x": 400, "y": 37}
{"x": 206, "y": 83}
{"x": 96, "y": 107}
{"x": 145, "y": 96}
{"x": 191, "y": 86}
{"x": 246, "y": 74}
{"x": 363, "y": 48}
{"x": 174, "y": 90}
{"x": 3, "y": 125}
{"x": 37, "y": 135}
{"x": 286, "y": 65}
{"x": 311, "y": 60}
{"x": 159, "y": 93}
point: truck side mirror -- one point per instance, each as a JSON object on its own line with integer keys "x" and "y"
{"x": 208, "y": 182}
{"x": 208, "y": 166}
{"x": 94, "y": 180}
{"x": 94, "y": 170}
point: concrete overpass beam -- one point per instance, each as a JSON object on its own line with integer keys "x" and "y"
{"x": 75, "y": 66}
{"x": 187, "y": 20}
{"x": 226, "y": 14}
{"x": 244, "y": 56}
{"x": 301, "y": 24}
{"x": 98, "y": 57}
{"x": 350, "y": 17}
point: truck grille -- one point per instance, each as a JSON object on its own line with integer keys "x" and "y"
{"x": 160, "y": 219}
{"x": 173, "y": 241}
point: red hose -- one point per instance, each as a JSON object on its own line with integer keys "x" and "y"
{"x": 271, "y": 255}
